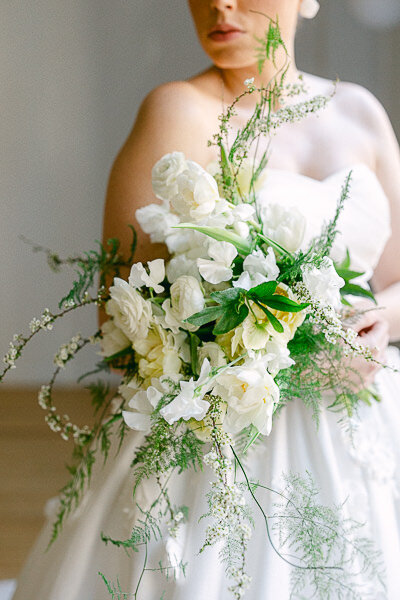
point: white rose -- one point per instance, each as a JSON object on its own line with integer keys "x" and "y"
{"x": 284, "y": 226}
{"x": 113, "y": 339}
{"x": 324, "y": 283}
{"x": 164, "y": 174}
{"x": 186, "y": 297}
{"x": 157, "y": 221}
{"x": 197, "y": 194}
{"x": 130, "y": 311}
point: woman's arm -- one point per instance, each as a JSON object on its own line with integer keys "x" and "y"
{"x": 169, "y": 119}
{"x": 386, "y": 279}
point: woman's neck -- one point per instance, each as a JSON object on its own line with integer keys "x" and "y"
{"x": 233, "y": 79}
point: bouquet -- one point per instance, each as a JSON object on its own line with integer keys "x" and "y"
{"x": 212, "y": 344}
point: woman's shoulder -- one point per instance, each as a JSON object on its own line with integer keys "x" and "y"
{"x": 350, "y": 99}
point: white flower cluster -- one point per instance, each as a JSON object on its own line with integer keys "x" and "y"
{"x": 67, "y": 351}
{"x": 60, "y": 424}
{"x": 227, "y": 503}
{"x": 45, "y": 322}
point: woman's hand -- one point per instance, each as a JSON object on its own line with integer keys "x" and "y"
{"x": 373, "y": 332}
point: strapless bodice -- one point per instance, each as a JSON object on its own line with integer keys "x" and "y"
{"x": 364, "y": 224}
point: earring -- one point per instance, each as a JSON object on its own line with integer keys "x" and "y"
{"x": 309, "y": 8}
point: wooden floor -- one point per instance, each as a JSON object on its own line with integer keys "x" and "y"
{"x": 32, "y": 467}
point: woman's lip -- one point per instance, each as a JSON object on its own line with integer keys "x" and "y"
{"x": 225, "y": 36}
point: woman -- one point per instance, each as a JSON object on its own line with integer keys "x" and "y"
{"x": 308, "y": 164}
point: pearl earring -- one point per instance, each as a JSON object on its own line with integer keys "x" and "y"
{"x": 309, "y": 8}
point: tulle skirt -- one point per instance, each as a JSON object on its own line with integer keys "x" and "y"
{"x": 361, "y": 470}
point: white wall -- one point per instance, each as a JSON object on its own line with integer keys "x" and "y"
{"x": 72, "y": 76}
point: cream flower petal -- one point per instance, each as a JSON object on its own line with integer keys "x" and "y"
{"x": 213, "y": 272}
{"x": 222, "y": 252}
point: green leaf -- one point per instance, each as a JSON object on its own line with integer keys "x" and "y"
{"x": 254, "y": 434}
{"x": 356, "y": 290}
{"x": 347, "y": 274}
{"x": 273, "y": 320}
{"x": 231, "y": 319}
{"x": 206, "y": 315}
{"x": 284, "y": 304}
{"x": 225, "y": 166}
{"x": 264, "y": 290}
{"x": 275, "y": 245}
{"x": 221, "y": 235}
{"x": 194, "y": 344}
{"x": 228, "y": 296}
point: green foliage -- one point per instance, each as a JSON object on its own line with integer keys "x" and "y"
{"x": 145, "y": 530}
{"x": 105, "y": 262}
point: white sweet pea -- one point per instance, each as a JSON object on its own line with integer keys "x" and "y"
{"x": 219, "y": 269}
{"x": 278, "y": 356}
{"x": 165, "y": 173}
{"x": 286, "y": 226}
{"x": 197, "y": 193}
{"x": 251, "y": 394}
{"x": 189, "y": 403}
{"x": 258, "y": 268}
{"x": 324, "y": 283}
{"x": 142, "y": 402}
{"x": 180, "y": 265}
{"x": 139, "y": 277}
{"x": 131, "y": 313}
{"x": 113, "y": 339}
{"x": 157, "y": 221}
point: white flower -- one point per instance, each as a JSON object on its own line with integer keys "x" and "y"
{"x": 113, "y": 339}
{"x": 189, "y": 403}
{"x": 246, "y": 172}
{"x": 213, "y": 352}
{"x": 278, "y": 356}
{"x": 186, "y": 300}
{"x": 197, "y": 193}
{"x": 130, "y": 311}
{"x": 159, "y": 352}
{"x": 139, "y": 276}
{"x": 251, "y": 394}
{"x": 309, "y": 8}
{"x": 182, "y": 265}
{"x": 157, "y": 221}
{"x": 165, "y": 173}
{"x": 218, "y": 270}
{"x": 258, "y": 268}
{"x": 323, "y": 283}
{"x": 286, "y": 226}
{"x": 186, "y": 297}
{"x": 142, "y": 402}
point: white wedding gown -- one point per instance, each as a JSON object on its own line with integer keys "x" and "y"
{"x": 366, "y": 472}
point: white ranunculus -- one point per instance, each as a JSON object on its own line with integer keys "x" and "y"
{"x": 113, "y": 339}
{"x": 258, "y": 268}
{"x": 286, "y": 226}
{"x": 189, "y": 403}
{"x": 157, "y": 221}
{"x": 159, "y": 354}
{"x": 165, "y": 173}
{"x": 197, "y": 194}
{"x": 219, "y": 269}
{"x": 213, "y": 352}
{"x": 186, "y": 297}
{"x": 129, "y": 310}
{"x": 251, "y": 394}
{"x": 323, "y": 283}
{"x": 139, "y": 277}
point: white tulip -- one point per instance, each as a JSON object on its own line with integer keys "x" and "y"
{"x": 286, "y": 226}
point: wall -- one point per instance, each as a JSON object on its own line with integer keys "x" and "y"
{"x": 73, "y": 74}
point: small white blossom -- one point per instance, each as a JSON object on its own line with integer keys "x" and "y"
{"x": 139, "y": 277}
{"x": 219, "y": 269}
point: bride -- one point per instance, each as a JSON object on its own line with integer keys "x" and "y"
{"x": 308, "y": 163}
